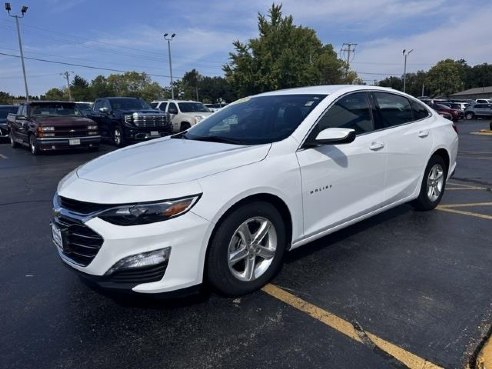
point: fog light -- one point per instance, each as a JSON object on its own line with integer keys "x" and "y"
{"x": 142, "y": 260}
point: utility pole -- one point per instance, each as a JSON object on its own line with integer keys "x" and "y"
{"x": 349, "y": 48}
{"x": 67, "y": 76}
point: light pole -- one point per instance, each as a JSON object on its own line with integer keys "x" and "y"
{"x": 23, "y": 12}
{"x": 405, "y": 54}
{"x": 170, "y": 64}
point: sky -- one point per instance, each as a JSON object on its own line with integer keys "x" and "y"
{"x": 90, "y": 38}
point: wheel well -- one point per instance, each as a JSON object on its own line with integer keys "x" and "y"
{"x": 444, "y": 155}
{"x": 272, "y": 199}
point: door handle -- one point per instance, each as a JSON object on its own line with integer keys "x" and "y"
{"x": 375, "y": 146}
{"x": 424, "y": 133}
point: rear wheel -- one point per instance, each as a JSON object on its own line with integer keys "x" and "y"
{"x": 33, "y": 145}
{"x": 247, "y": 249}
{"x": 433, "y": 183}
{"x": 469, "y": 116}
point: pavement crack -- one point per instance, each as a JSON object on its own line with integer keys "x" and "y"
{"x": 24, "y": 202}
{"x": 366, "y": 340}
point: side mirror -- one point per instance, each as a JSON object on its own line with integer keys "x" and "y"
{"x": 173, "y": 111}
{"x": 104, "y": 110}
{"x": 334, "y": 136}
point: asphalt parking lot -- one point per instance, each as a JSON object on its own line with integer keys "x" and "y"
{"x": 404, "y": 289}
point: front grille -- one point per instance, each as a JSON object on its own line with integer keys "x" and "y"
{"x": 81, "y": 207}
{"x": 72, "y": 131}
{"x": 151, "y": 121}
{"x": 148, "y": 274}
{"x": 80, "y": 243}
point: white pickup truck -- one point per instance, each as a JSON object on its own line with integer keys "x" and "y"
{"x": 183, "y": 113}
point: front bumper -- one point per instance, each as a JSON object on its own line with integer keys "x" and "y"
{"x": 143, "y": 134}
{"x": 186, "y": 236}
{"x": 56, "y": 143}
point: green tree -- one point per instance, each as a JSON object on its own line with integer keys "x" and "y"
{"x": 283, "y": 56}
{"x": 445, "y": 78}
{"x": 101, "y": 88}
{"x": 80, "y": 89}
{"x": 6, "y": 98}
{"x": 54, "y": 94}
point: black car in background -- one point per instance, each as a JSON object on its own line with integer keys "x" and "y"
{"x": 128, "y": 119}
{"x": 4, "y": 111}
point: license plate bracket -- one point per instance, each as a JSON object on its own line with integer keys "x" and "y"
{"x": 74, "y": 141}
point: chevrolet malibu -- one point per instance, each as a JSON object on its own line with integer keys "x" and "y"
{"x": 222, "y": 202}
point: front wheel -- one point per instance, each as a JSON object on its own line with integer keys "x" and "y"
{"x": 433, "y": 183}
{"x": 184, "y": 126}
{"x": 33, "y": 145}
{"x": 247, "y": 249}
{"x": 469, "y": 116}
{"x": 13, "y": 142}
{"x": 118, "y": 137}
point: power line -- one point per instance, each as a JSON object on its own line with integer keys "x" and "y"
{"x": 80, "y": 65}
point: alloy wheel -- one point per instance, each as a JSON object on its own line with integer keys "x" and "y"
{"x": 435, "y": 182}
{"x": 252, "y": 249}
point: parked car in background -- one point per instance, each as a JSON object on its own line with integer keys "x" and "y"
{"x": 455, "y": 114}
{"x": 128, "y": 119}
{"x": 4, "y": 111}
{"x": 214, "y": 107}
{"x": 52, "y": 125}
{"x": 478, "y": 111}
{"x": 225, "y": 200}
{"x": 84, "y": 107}
{"x": 455, "y": 106}
{"x": 183, "y": 113}
{"x": 483, "y": 101}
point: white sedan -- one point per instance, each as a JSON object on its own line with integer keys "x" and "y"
{"x": 222, "y": 202}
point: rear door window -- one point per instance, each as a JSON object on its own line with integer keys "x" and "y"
{"x": 393, "y": 110}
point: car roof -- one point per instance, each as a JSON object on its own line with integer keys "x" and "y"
{"x": 324, "y": 90}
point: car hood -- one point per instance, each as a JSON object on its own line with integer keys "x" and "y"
{"x": 169, "y": 161}
{"x": 143, "y": 111}
{"x": 61, "y": 121}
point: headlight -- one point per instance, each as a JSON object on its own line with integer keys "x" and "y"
{"x": 133, "y": 214}
{"x": 46, "y": 129}
{"x": 92, "y": 127}
{"x": 128, "y": 118}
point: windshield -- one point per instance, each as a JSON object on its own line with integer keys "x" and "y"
{"x": 55, "y": 109}
{"x": 5, "y": 110}
{"x": 129, "y": 104}
{"x": 192, "y": 107}
{"x": 84, "y": 106}
{"x": 256, "y": 120}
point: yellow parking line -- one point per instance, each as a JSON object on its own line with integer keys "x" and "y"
{"x": 465, "y": 188}
{"x": 469, "y": 213}
{"x": 484, "y": 132}
{"x": 484, "y": 360}
{"x": 470, "y": 204}
{"x": 410, "y": 360}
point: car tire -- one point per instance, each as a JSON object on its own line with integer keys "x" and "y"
{"x": 118, "y": 136}
{"x": 184, "y": 126}
{"x": 13, "y": 143}
{"x": 33, "y": 145}
{"x": 236, "y": 263}
{"x": 469, "y": 116}
{"x": 433, "y": 184}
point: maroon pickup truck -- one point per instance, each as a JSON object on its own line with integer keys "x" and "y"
{"x": 52, "y": 125}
